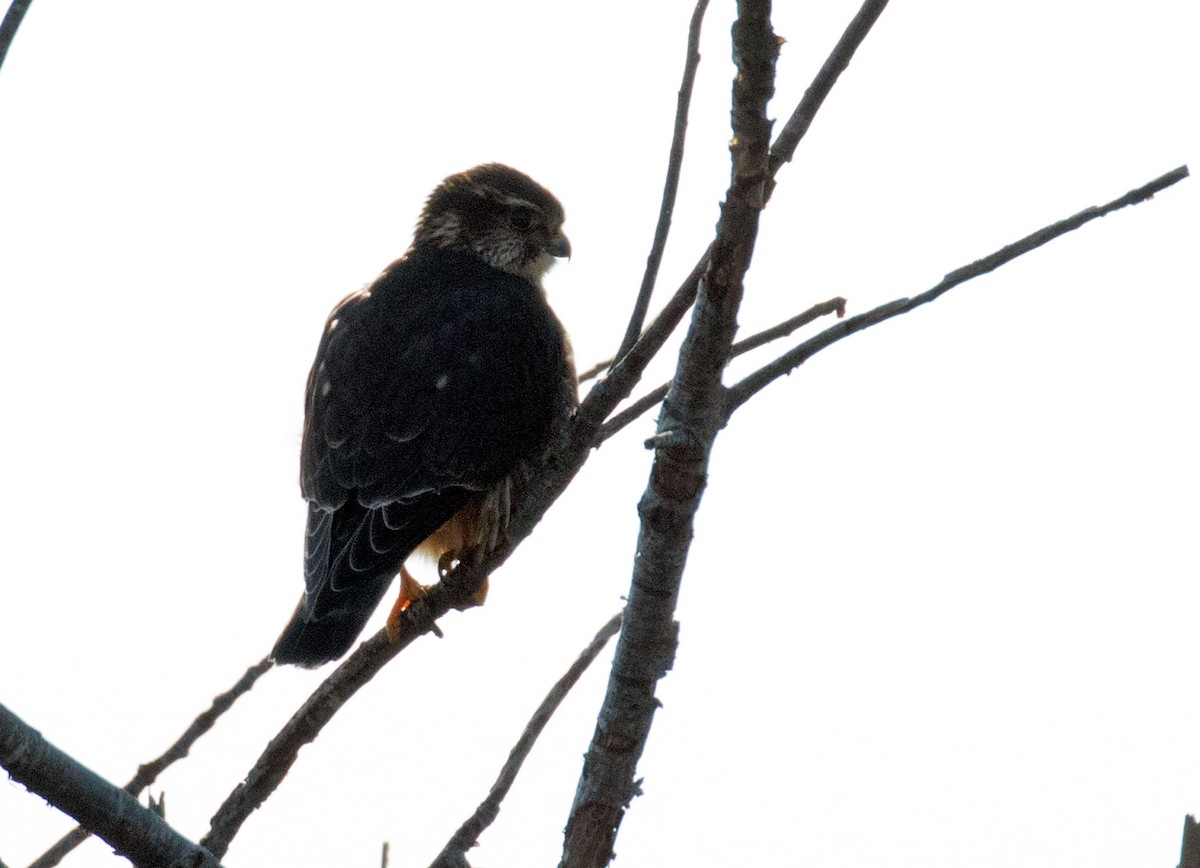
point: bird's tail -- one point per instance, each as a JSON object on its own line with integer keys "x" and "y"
{"x": 309, "y": 641}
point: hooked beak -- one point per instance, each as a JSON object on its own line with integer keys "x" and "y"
{"x": 558, "y": 246}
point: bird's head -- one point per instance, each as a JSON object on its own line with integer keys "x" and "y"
{"x": 499, "y": 215}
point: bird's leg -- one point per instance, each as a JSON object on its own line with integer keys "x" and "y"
{"x": 410, "y": 591}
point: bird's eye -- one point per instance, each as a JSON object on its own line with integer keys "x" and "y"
{"x": 520, "y": 218}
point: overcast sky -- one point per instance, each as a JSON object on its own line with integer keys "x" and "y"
{"x": 943, "y": 602}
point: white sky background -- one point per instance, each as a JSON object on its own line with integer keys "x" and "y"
{"x": 942, "y": 606}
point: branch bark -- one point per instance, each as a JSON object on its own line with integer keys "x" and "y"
{"x": 148, "y": 773}
{"x": 753, "y": 342}
{"x": 134, "y": 831}
{"x": 670, "y": 186}
{"x": 454, "y": 854}
{"x": 743, "y": 391}
{"x": 687, "y": 427}
{"x": 8, "y": 27}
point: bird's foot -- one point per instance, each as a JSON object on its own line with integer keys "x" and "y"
{"x": 410, "y": 591}
{"x": 448, "y": 562}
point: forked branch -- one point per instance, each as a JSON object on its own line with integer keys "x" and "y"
{"x": 454, "y": 854}
{"x": 740, "y": 393}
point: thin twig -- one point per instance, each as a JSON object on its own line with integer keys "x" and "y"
{"x": 613, "y": 390}
{"x": 149, "y": 772}
{"x": 738, "y": 394}
{"x": 753, "y": 342}
{"x": 130, "y": 828}
{"x": 797, "y": 125}
{"x": 670, "y": 185}
{"x": 8, "y": 27}
{"x": 594, "y": 371}
{"x": 302, "y": 728}
{"x": 453, "y": 855}
{"x": 383, "y": 860}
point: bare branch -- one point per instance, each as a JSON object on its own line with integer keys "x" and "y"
{"x": 149, "y": 772}
{"x": 687, "y": 427}
{"x": 615, "y": 389}
{"x": 789, "y": 361}
{"x": 383, "y": 859}
{"x": 594, "y": 371}
{"x": 797, "y": 125}
{"x": 302, "y": 728}
{"x": 133, "y": 830}
{"x": 8, "y": 27}
{"x": 453, "y": 855}
{"x": 671, "y": 184}
{"x": 783, "y": 329}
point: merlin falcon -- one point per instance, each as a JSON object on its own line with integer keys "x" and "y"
{"x": 434, "y": 389}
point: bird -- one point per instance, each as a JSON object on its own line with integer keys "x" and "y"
{"x": 434, "y": 391}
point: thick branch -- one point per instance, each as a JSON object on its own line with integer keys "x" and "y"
{"x": 149, "y": 772}
{"x": 133, "y": 830}
{"x": 453, "y": 855}
{"x": 742, "y": 392}
{"x": 688, "y": 424}
{"x": 670, "y": 185}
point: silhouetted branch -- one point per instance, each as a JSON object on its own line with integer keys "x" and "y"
{"x": 303, "y": 727}
{"x": 797, "y": 125}
{"x": 8, "y": 27}
{"x": 133, "y": 830}
{"x": 687, "y": 427}
{"x": 453, "y": 855}
{"x": 594, "y": 371}
{"x": 671, "y": 184}
{"x": 149, "y": 772}
{"x": 783, "y": 329}
{"x": 614, "y": 389}
{"x": 752, "y": 384}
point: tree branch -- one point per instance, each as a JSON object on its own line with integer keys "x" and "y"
{"x": 453, "y": 855}
{"x": 740, "y": 393}
{"x": 797, "y": 125}
{"x": 670, "y": 186}
{"x": 689, "y": 422}
{"x": 133, "y": 830}
{"x": 148, "y": 773}
{"x": 8, "y": 27}
{"x": 614, "y": 389}
{"x": 783, "y": 329}
{"x": 302, "y": 728}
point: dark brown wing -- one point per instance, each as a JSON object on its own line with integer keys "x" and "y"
{"x": 428, "y": 387}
